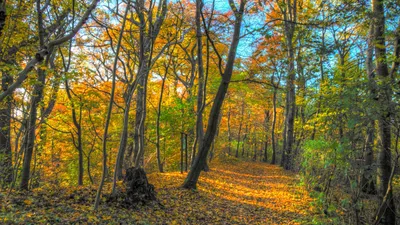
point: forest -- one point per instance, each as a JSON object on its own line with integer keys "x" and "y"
{"x": 199, "y": 112}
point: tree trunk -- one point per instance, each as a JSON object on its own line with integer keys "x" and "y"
{"x": 255, "y": 149}
{"x": 240, "y": 130}
{"x": 367, "y": 181}
{"x": 283, "y": 157}
{"x": 29, "y": 138}
{"x": 246, "y": 130}
{"x": 77, "y": 124}
{"x": 124, "y": 137}
{"x": 140, "y": 118}
{"x": 6, "y": 176}
{"x": 265, "y": 150}
{"x": 193, "y": 176}
{"x": 290, "y": 22}
{"x": 147, "y": 35}
{"x": 159, "y": 163}
{"x": 229, "y": 131}
{"x": 266, "y": 123}
{"x": 273, "y": 160}
{"x": 384, "y": 119}
{"x": 200, "y": 90}
{"x": 291, "y": 112}
{"x": 109, "y": 111}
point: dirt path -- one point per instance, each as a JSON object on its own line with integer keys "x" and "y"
{"x": 241, "y": 193}
{"x": 231, "y": 193}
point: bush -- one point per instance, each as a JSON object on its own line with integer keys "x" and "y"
{"x": 322, "y": 163}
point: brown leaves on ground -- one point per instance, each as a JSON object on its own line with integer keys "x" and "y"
{"x": 239, "y": 193}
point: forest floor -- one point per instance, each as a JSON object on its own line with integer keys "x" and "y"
{"x": 231, "y": 193}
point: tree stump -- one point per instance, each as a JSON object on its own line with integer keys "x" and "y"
{"x": 138, "y": 189}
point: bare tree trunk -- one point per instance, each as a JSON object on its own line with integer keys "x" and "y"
{"x": 124, "y": 137}
{"x": 77, "y": 123}
{"x": 240, "y": 130}
{"x": 266, "y": 125}
{"x": 367, "y": 181}
{"x": 229, "y": 131}
{"x": 290, "y": 21}
{"x": 291, "y": 114}
{"x": 284, "y": 134}
{"x": 109, "y": 110}
{"x": 193, "y": 176}
{"x": 148, "y": 33}
{"x": 88, "y": 162}
{"x": 255, "y": 149}
{"x": 273, "y": 160}
{"x": 29, "y": 138}
{"x": 245, "y": 136}
{"x": 6, "y": 176}
{"x": 200, "y": 90}
{"x": 384, "y": 119}
{"x": 140, "y": 119}
{"x": 159, "y": 163}
{"x": 3, "y": 15}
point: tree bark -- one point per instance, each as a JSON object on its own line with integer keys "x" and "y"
{"x": 192, "y": 178}
{"x": 291, "y": 94}
{"x": 109, "y": 110}
{"x": 6, "y": 176}
{"x": 159, "y": 163}
{"x": 240, "y": 130}
{"x": 29, "y": 137}
{"x": 229, "y": 131}
{"x": 146, "y": 42}
{"x": 77, "y": 124}
{"x": 200, "y": 90}
{"x": 367, "y": 181}
{"x": 266, "y": 123}
{"x": 273, "y": 160}
{"x": 384, "y": 120}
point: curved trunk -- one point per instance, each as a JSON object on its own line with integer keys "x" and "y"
{"x": 200, "y": 161}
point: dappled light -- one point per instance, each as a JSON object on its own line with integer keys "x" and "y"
{"x": 264, "y": 194}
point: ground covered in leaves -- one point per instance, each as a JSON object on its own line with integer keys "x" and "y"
{"x": 231, "y": 193}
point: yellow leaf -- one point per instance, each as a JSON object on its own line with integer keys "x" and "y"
{"x": 27, "y": 202}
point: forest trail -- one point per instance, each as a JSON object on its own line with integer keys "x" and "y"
{"x": 235, "y": 192}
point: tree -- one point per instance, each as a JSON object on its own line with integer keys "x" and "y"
{"x": 109, "y": 110}
{"x": 387, "y": 213}
{"x": 146, "y": 60}
{"x": 289, "y": 12}
{"x": 46, "y": 51}
{"x": 367, "y": 182}
{"x": 199, "y": 163}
